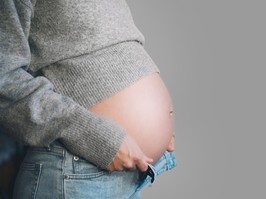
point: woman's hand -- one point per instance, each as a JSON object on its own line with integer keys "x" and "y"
{"x": 171, "y": 146}
{"x": 129, "y": 157}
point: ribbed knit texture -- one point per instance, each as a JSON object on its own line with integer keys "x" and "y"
{"x": 91, "y": 78}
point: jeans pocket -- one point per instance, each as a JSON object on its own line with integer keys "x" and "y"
{"x": 27, "y": 181}
{"x": 101, "y": 184}
{"x": 83, "y": 170}
{"x": 85, "y": 181}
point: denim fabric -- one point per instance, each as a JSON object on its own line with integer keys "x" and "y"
{"x": 53, "y": 172}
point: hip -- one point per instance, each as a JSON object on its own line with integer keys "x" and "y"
{"x": 53, "y": 172}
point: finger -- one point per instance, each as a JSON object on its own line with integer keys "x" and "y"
{"x": 171, "y": 146}
{"x": 110, "y": 168}
{"x": 118, "y": 166}
{"x": 133, "y": 168}
{"x": 115, "y": 166}
{"x": 130, "y": 166}
{"x": 142, "y": 165}
{"x": 149, "y": 160}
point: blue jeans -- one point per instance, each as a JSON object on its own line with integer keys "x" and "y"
{"x": 53, "y": 172}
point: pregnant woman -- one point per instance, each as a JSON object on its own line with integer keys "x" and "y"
{"x": 79, "y": 89}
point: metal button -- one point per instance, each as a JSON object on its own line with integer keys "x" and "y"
{"x": 48, "y": 148}
{"x": 76, "y": 158}
{"x": 66, "y": 176}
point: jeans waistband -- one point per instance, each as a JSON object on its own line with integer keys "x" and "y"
{"x": 55, "y": 148}
{"x": 165, "y": 163}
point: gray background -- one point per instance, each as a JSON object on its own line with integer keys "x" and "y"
{"x": 212, "y": 58}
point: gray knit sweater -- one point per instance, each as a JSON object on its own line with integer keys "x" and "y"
{"x": 57, "y": 59}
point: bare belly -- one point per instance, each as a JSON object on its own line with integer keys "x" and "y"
{"x": 144, "y": 110}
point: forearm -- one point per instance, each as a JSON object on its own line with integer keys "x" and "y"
{"x": 33, "y": 113}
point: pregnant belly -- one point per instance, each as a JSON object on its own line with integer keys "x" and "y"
{"x": 144, "y": 109}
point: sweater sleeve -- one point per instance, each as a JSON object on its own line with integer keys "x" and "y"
{"x": 32, "y": 112}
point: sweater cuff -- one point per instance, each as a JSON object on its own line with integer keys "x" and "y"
{"x": 93, "y": 137}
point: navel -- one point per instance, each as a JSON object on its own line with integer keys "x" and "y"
{"x": 171, "y": 113}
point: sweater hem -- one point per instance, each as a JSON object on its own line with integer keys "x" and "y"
{"x": 91, "y": 78}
